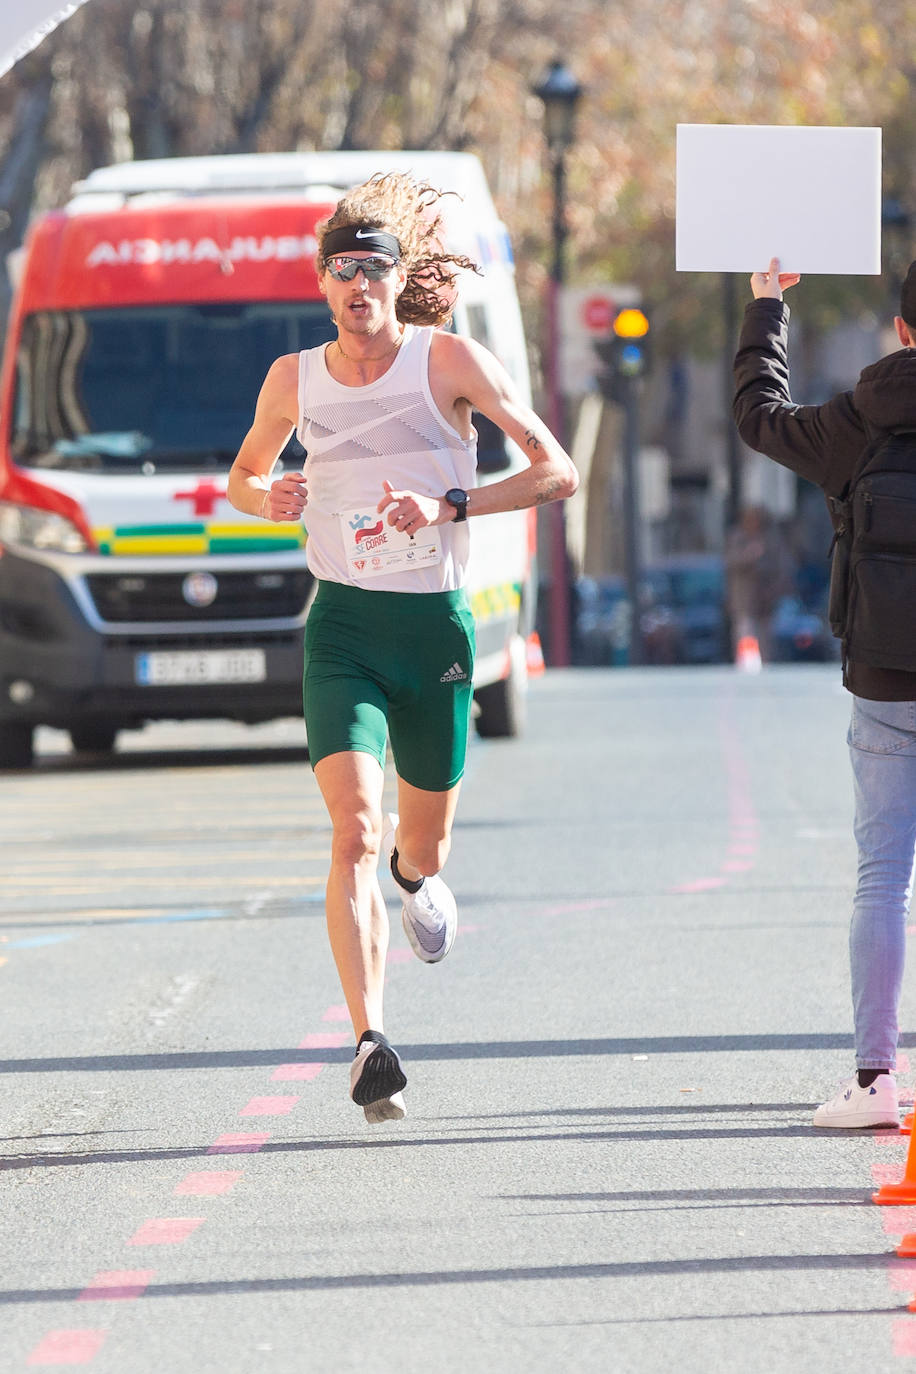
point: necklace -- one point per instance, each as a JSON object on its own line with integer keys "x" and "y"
{"x": 375, "y": 357}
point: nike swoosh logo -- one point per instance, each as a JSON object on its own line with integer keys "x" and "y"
{"x": 360, "y": 235}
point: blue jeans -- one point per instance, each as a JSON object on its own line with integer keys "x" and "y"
{"x": 882, "y": 746}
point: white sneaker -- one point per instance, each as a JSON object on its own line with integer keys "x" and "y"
{"x": 430, "y": 915}
{"x": 854, "y": 1106}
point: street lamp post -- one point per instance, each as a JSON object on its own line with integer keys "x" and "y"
{"x": 560, "y": 92}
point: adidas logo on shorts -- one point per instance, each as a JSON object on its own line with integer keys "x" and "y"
{"x": 454, "y": 674}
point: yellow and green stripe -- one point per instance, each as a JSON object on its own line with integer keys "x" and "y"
{"x": 155, "y": 540}
{"x": 497, "y": 602}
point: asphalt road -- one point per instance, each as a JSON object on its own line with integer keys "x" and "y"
{"x": 608, "y": 1163}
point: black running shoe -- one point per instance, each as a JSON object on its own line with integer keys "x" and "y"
{"x": 376, "y": 1079}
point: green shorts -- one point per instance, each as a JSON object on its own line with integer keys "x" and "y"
{"x": 390, "y": 664}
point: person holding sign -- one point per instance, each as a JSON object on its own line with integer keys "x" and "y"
{"x": 862, "y": 441}
{"x": 384, "y": 413}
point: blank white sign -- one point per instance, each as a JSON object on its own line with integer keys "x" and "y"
{"x": 747, "y": 193}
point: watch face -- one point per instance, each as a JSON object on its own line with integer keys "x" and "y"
{"x": 459, "y": 499}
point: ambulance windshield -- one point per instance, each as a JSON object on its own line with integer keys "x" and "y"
{"x": 150, "y": 388}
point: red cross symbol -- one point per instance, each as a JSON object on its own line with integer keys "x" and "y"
{"x": 205, "y": 496}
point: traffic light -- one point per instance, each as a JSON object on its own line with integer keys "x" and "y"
{"x": 625, "y": 353}
{"x": 631, "y": 330}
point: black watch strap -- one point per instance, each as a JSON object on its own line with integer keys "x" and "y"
{"x": 459, "y": 499}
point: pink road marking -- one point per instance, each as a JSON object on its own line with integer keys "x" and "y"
{"x": 305, "y": 1072}
{"x": 911, "y": 930}
{"x": 238, "y": 1143}
{"x": 269, "y": 1106}
{"x": 699, "y": 885}
{"x": 324, "y": 1040}
{"x": 67, "y": 1347}
{"x": 905, "y": 1337}
{"x": 400, "y": 956}
{"x": 742, "y": 849}
{"x": 337, "y": 1013}
{"x": 902, "y": 1278}
{"x": 891, "y": 1137}
{"x": 887, "y": 1173}
{"x": 736, "y": 866}
{"x": 208, "y": 1183}
{"x": 466, "y": 928}
{"x": 117, "y": 1285}
{"x": 166, "y": 1230}
{"x": 898, "y": 1220}
{"x": 903, "y": 1062}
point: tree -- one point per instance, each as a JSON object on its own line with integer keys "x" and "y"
{"x": 23, "y": 117}
{"x": 211, "y": 76}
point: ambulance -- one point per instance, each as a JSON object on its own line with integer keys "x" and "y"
{"x": 146, "y": 314}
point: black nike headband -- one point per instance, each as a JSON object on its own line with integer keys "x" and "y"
{"x": 357, "y": 238}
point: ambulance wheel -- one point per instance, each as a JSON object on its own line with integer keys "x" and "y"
{"x": 93, "y": 737}
{"x": 503, "y": 706}
{"x": 16, "y": 745}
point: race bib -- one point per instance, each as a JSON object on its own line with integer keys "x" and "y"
{"x": 373, "y": 547}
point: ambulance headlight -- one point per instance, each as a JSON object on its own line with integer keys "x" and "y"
{"x": 39, "y": 529}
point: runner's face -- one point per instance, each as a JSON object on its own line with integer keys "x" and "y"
{"x": 361, "y": 306}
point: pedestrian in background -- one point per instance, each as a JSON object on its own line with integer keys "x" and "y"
{"x": 758, "y": 569}
{"x": 826, "y": 444}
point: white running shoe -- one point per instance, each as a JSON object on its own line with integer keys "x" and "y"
{"x": 430, "y": 915}
{"x": 854, "y": 1106}
{"x": 376, "y": 1080}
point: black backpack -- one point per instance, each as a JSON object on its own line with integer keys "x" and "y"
{"x": 872, "y": 606}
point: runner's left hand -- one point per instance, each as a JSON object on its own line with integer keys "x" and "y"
{"x": 409, "y": 512}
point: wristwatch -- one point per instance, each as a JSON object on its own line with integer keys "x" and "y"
{"x": 459, "y": 499}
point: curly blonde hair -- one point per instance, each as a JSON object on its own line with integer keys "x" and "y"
{"x": 395, "y": 203}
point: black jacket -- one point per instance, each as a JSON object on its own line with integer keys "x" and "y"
{"x": 822, "y": 443}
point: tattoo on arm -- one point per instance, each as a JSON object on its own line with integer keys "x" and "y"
{"x": 531, "y": 440}
{"x": 548, "y": 492}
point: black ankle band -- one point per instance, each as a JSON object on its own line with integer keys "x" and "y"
{"x": 399, "y": 878}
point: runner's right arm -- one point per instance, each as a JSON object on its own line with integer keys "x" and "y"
{"x": 250, "y": 488}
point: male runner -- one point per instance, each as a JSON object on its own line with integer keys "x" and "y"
{"x": 384, "y": 413}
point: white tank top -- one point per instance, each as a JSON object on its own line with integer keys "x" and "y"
{"x": 355, "y": 437}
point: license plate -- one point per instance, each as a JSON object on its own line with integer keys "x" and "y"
{"x": 206, "y": 667}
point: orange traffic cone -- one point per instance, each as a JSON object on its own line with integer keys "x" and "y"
{"x": 535, "y": 655}
{"x": 906, "y": 1125}
{"x": 747, "y": 655}
{"x": 907, "y": 1247}
{"x": 904, "y": 1192}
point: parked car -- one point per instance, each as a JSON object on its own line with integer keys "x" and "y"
{"x": 684, "y": 616}
{"x": 602, "y": 629}
{"x": 799, "y": 633}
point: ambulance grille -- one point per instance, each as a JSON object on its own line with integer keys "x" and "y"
{"x": 147, "y": 598}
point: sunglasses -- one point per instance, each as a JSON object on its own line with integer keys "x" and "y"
{"x": 345, "y": 269}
